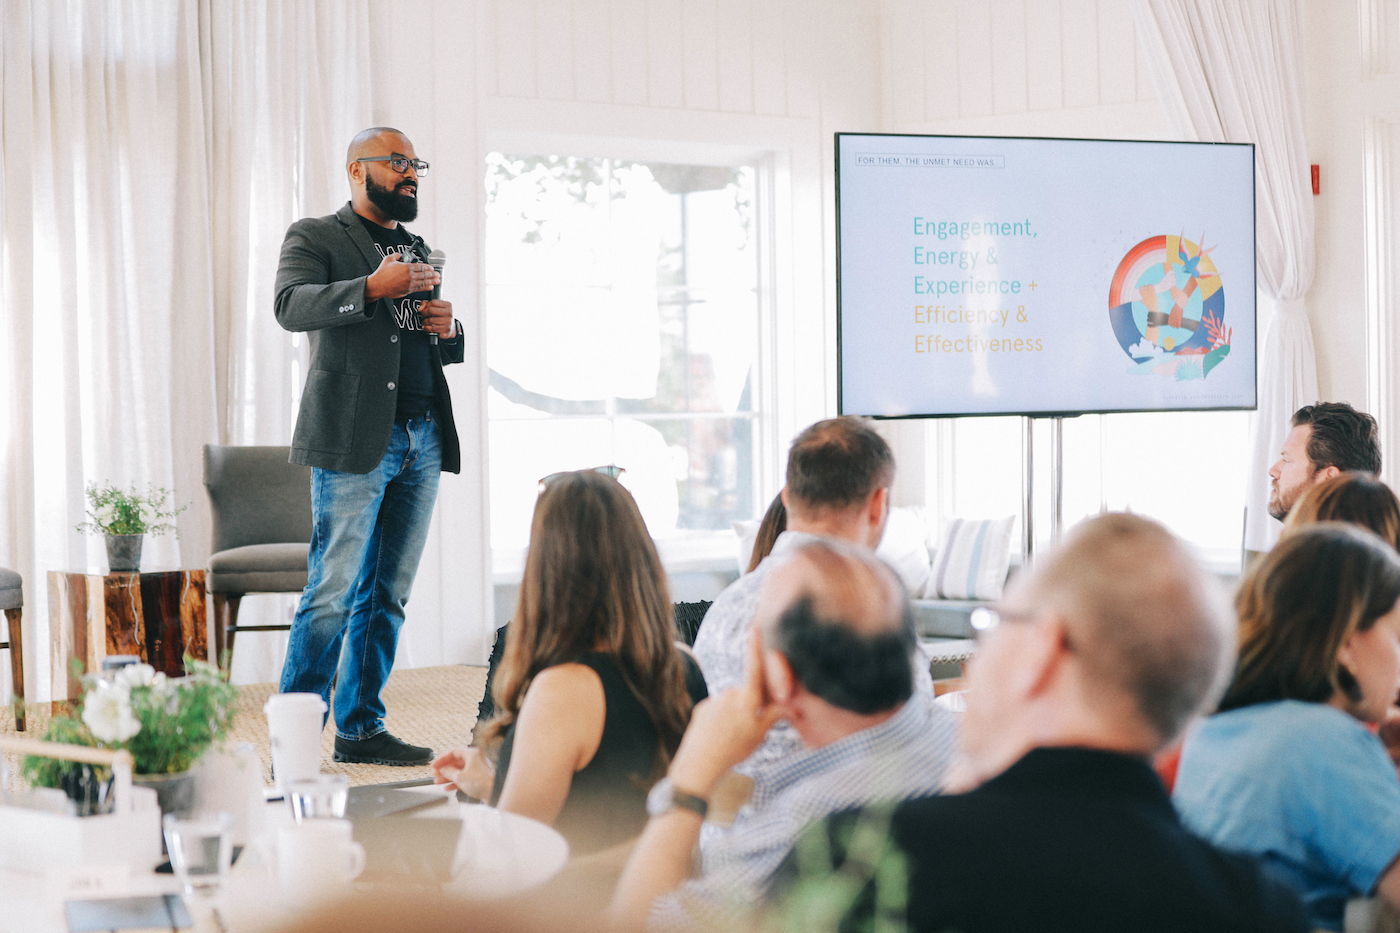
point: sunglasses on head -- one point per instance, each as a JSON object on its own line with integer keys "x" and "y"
{"x": 611, "y": 469}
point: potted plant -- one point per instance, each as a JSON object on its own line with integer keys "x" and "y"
{"x": 165, "y": 723}
{"x": 125, "y": 516}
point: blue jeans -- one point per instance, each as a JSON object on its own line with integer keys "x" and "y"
{"x": 368, "y": 534}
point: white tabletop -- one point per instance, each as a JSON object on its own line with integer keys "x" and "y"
{"x": 498, "y": 854}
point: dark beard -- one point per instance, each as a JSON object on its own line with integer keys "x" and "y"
{"x": 398, "y": 207}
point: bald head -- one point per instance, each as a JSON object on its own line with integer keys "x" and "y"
{"x": 842, "y": 620}
{"x": 1144, "y": 620}
{"x": 369, "y": 142}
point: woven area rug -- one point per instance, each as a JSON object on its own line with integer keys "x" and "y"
{"x": 433, "y": 706}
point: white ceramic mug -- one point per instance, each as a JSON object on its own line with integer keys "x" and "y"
{"x": 317, "y": 860}
{"x": 294, "y": 724}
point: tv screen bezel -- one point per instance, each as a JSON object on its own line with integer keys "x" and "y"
{"x": 1055, "y": 413}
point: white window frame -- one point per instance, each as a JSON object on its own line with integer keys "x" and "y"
{"x": 699, "y": 551}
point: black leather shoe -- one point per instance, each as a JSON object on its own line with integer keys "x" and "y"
{"x": 381, "y": 749}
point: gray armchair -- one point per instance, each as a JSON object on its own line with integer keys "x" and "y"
{"x": 262, "y": 532}
{"x": 12, "y": 601}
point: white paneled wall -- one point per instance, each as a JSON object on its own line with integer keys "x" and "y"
{"x": 1376, "y": 102}
{"x": 952, "y": 59}
{"x": 1353, "y": 123}
{"x": 728, "y": 56}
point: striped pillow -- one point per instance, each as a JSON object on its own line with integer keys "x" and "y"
{"x": 972, "y": 559}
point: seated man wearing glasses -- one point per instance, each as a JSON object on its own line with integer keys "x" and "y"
{"x": 1102, "y": 655}
{"x": 376, "y": 427}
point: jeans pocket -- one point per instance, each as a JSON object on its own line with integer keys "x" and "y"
{"x": 327, "y": 417}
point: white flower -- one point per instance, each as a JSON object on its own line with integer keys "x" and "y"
{"x": 148, "y": 514}
{"x": 105, "y": 515}
{"x": 107, "y": 713}
{"x": 136, "y": 675}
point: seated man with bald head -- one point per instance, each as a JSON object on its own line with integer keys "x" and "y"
{"x": 830, "y": 652}
{"x": 1101, "y": 656}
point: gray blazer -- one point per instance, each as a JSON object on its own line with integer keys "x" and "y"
{"x": 347, "y": 405}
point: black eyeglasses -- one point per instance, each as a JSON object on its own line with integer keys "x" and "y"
{"x": 400, "y": 163}
{"x": 611, "y": 469}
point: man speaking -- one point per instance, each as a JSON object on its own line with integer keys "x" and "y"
{"x": 375, "y": 426}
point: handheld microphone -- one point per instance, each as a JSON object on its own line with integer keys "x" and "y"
{"x": 437, "y": 259}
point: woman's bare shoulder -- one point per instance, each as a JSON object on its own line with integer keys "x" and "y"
{"x": 572, "y": 687}
{"x": 570, "y": 677}
{"x": 565, "y": 707}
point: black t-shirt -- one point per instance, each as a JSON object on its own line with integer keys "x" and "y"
{"x": 1066, "y": 839}
{"x": 417, "y": 389}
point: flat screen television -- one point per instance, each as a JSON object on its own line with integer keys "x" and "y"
{"x": 983, "y": 275}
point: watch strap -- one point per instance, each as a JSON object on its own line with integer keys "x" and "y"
{"x": 665, "y": 797}
{"x": 680, "y": 798}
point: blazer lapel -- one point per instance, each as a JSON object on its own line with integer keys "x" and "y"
{"x": 359, "y": 235}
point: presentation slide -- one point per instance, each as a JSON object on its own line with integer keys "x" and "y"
{"x": 983, "y": 275}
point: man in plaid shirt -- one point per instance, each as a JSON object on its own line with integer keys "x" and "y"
{"x": 831, "y": 652}
{"x": 839, "y": 474}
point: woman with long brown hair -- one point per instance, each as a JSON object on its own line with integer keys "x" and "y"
{"x": 1287, "y": 769}
{"x": 773, "y": 524}
{"x": 591, "y": 693}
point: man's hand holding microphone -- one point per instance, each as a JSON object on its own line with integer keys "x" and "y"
{"x": 398, "y": 276}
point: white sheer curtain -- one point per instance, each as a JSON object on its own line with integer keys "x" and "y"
{"x": 287, "y": 86}
{"x": 105, "y": 330}
{"x": 1232, "y": 71}
{"x": 154, "y": 152}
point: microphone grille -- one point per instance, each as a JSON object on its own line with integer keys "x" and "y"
{"x": 438, "y": 259}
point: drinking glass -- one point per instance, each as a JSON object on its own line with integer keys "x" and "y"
{"x": 321, "y": 797}
{"x": 201, "y": 849}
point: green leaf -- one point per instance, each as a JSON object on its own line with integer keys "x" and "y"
{"x": 1214, "y": 357}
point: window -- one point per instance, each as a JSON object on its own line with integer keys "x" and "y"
{"x": 622, "y": 328}
{"x": 1184, "y": 469}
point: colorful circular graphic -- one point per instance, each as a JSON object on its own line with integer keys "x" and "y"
{"x": 1166, "y": 300}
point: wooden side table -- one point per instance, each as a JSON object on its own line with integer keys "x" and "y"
{"x": 159, "y": 616}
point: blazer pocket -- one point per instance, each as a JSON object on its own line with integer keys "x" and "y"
{"x": 327, "y": 417}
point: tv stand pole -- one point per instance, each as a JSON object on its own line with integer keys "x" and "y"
{"x": 1057, "y": 477}
{"x": 1028, "y": 493}
{"x": 1057, "y": 484}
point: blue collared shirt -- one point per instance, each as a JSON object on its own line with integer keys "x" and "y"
{"x": 1303, "y": 786}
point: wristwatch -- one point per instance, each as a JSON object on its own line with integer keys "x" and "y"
{"x": 665, "y": 797}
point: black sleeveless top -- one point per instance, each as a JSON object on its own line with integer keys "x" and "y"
{"x": 607, "y": 799}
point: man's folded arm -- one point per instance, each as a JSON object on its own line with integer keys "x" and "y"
{"x": 306, "y": 298}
